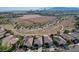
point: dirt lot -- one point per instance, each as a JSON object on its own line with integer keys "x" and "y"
{"x": 30, "y": 19}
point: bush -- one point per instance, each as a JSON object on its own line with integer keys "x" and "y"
{"x": 69, "y": 42}
{"x": 77, "y": 25}
{"x": 46, "y": 45}
{"x": 11, "y": 48}
{"x": 73, "y": 30}
{"x": 7, "y": 49}
{"x": 52, "y": 36}
{"x": 66, "y": 31}
{"x": 9, "y": 31}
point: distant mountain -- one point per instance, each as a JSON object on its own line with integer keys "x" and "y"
{"x": 22, "y": 9}
{"x": 6, "y": 9}
{"x": 64, "y": 9}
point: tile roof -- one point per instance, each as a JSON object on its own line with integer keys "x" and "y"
{"x": 9, "y": 40}
{"x": 47, "y": 39}
{"x": 28, "y": 41}
{"x": 66, "y": 37}
{"x": 38, "y": 41}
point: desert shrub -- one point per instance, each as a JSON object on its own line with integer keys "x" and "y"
{"x": 69, "y": 42}
{"x": 9, "y": 31}
{"x": 46, "y": 45}
{"x": 66, "y": 31}
{"x": 77, "y": 25}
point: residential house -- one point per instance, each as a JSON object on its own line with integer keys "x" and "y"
{"x": 75, "y": 35}
{"x": 2, "y": 32}
{"x": 72, "y": 36}
{"x": 9, "y": 40}
{"x": 47, "y": 40}
{"x": 61, "y": 40}
{"x": 66, "y": 37}
{"x": 28, "y": 41}
{"x": 38, "y": 41}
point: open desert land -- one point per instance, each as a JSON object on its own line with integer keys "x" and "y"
{"x": 53, "y": 28}
{"x": 50, "y": 24}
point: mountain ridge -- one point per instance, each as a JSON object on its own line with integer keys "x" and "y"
{"x": 63, "y": 8}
